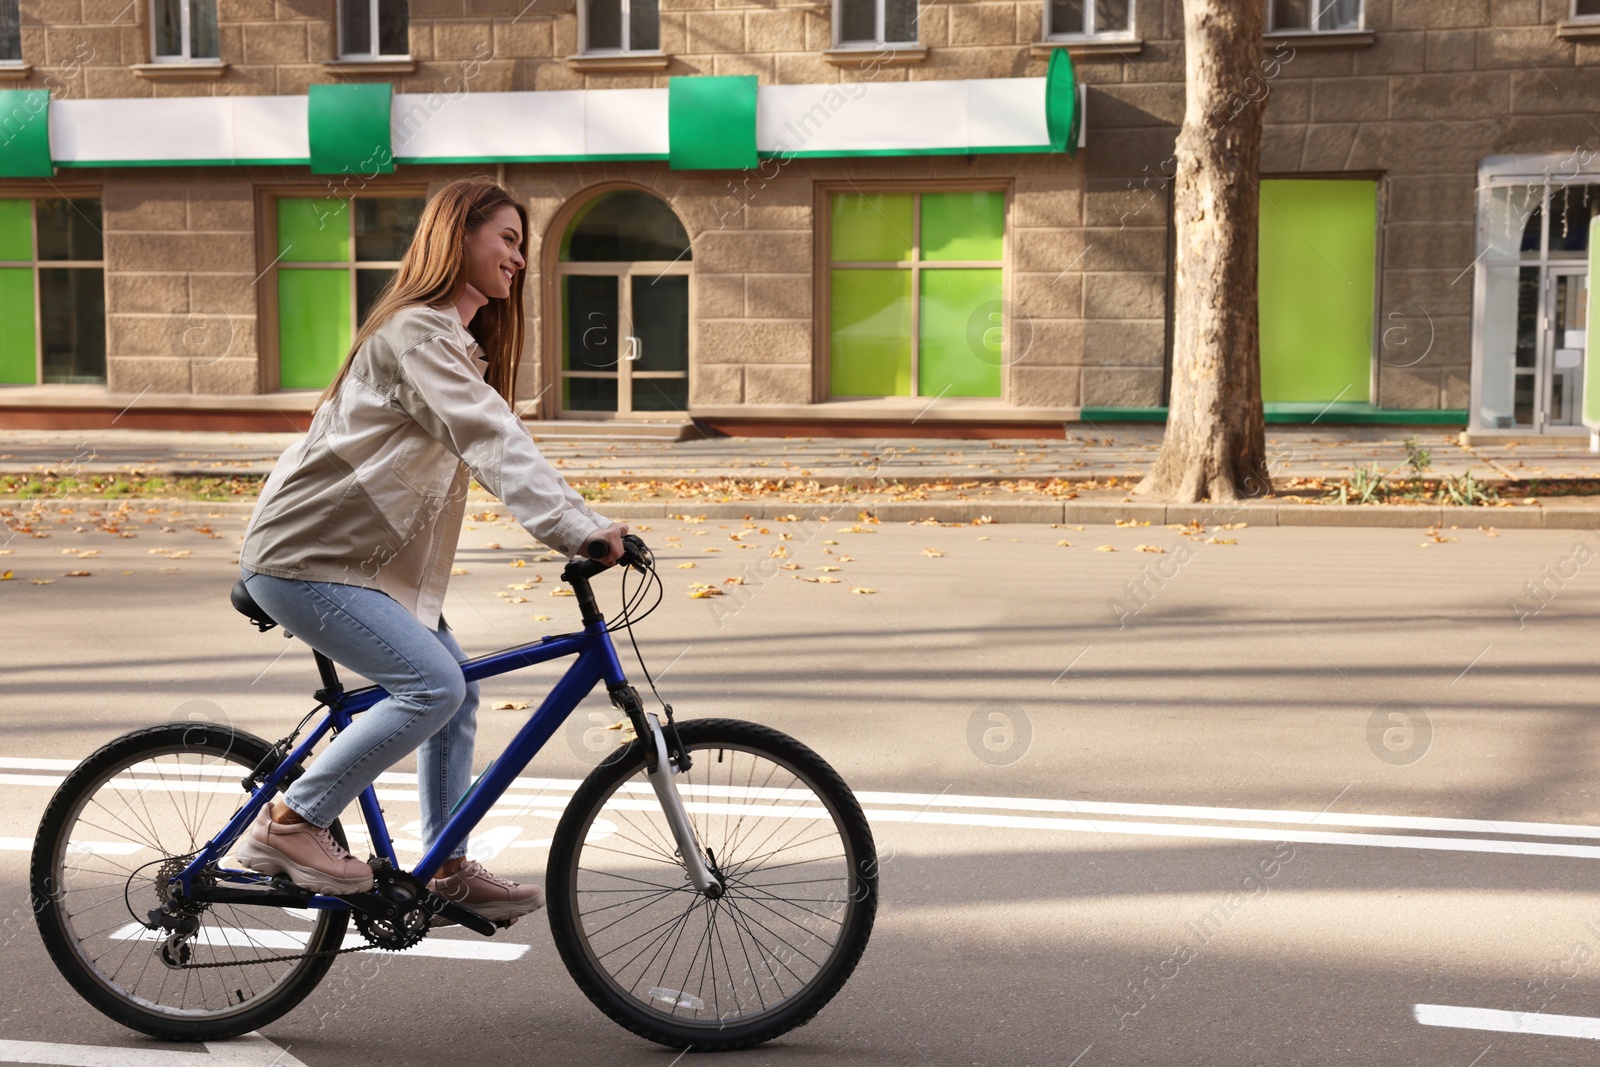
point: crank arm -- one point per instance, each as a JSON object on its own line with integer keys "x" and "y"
{"x": 661, "y": 780}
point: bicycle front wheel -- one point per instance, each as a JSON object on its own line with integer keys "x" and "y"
{"x": 672, "y": 965}
{"x": 124, "y": 821}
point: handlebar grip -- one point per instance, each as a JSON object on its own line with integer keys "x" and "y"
{"x": 595, "y": 549}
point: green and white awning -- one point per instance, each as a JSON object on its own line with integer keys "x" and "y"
{"x": 696, "y": 123}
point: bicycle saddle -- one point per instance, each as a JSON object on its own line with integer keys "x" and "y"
{"x": 246, "y": 605}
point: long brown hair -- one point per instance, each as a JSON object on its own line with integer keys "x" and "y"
{"x": 434, "y": 272}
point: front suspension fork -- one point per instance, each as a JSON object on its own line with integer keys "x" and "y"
{"x": 663, "y": 764}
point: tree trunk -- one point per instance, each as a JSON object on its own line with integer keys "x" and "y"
{"x": 1215, "y": 447}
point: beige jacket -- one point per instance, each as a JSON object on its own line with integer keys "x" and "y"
{"x": 375, "y": 493}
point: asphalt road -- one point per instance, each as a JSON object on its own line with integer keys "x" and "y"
{"x": 1296, "y": 796}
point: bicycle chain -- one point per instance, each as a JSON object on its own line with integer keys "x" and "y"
{"x": 363, "y": 924}
{"x": 280, "y": 959}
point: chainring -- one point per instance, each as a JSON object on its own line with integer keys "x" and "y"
{"x": 397, "y": 934}
{"x": 410, "y": 922}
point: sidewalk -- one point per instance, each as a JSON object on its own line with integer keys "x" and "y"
{"x": 1084, "y": 478}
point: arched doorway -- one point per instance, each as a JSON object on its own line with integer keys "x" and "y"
{"x": 622, "y": 277}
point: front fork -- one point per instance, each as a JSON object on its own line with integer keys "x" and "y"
{"x": 665, "y": 759}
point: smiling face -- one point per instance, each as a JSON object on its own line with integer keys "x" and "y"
{"x": 494, "y": 253}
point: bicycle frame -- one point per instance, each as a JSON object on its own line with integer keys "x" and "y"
{"x": 597, "y": 661}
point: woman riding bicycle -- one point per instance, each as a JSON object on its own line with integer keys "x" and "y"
{"x": 351, "y": 543}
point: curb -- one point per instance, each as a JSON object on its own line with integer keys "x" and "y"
{"x": 1070, "y": 512}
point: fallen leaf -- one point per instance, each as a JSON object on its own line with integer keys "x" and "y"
{"x": 828, "y": 569}
{"x": 788, "y": 566}
{"x": 982, "y": 520}
{"x": 1222, "y": 540}
{"x": 1150, "y": 548}
{"x": 702, "y": 594}
{"x": 685, "y": 566}
{"x": 516, "y": 600}
{"x": 1064, "y": 543}
{"x": 808, "y": 578}
{"x": 41, "y": 581}
{"x": 510, "y": 705}
{"x": 563, "y": 591}
{"x": 932, "y": 552}
{"x": 519, "y": 563}
{"x": 6, "y": 576}
{"x": 828, "y": 581}
{"x": 1105, "y": 548}
{"x": 733, "y": 581}
{"x": 861, "y": 589}
{"x": 830, "y": 542}
{"x": 459, "y": 570}
{"x": 76, "y": 574}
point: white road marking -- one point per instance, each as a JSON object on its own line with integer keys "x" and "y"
{"x": 250, "y": 1050}
{"x": 441, "y": 948}
{"x": 936, "y": 810}
{"x": 97, "y": 848}
{"x": 1507, "y": 1022}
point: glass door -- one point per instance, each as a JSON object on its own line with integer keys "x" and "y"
{"x": 655, "y": 374}
{"x": 1564, "y": 324}
{"x": 626, "y": 341}
{"x": 593, "y": 329}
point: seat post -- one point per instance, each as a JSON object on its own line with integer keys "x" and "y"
{"x": 331, "y": 691}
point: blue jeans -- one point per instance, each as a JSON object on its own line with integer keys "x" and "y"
{"x": 429, "y": 703}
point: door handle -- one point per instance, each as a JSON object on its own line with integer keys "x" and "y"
{"x": 635, "y": 349}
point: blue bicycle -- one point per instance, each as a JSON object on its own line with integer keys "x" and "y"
{"x": 711, "y": 884}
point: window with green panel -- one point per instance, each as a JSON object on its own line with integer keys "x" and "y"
{"x": 915, "y": 285}
{"x": 52, "y": 292}
{"x": 335, "y": 256}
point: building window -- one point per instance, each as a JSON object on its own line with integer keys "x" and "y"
{"x": 621, "y": 26}
{"x": 1088, "y": 18}
{"x": 1586, "y": 9}
{"x": 1314, "y": 16}
{"x": 867, "y": 23}
{"x": 185, "y": 31}
{"x": 914, "y": 293}
{"x": 52, "y": 293}
{"x": 335, "y": 256}
{"x": 373, "y": 29}
{"x": 1318, "y": 254}
{"x": 10, "y": 32}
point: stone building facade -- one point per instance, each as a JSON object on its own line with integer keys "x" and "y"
{"x": 905, "y": 237}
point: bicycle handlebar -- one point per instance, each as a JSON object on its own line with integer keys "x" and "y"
{"x": 635, "y": 554}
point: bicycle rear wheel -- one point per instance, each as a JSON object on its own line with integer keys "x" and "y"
{"x": 122, "y": 823}
{"x": 674, "y": 966}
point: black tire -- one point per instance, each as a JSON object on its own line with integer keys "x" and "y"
{"x": 147, "y": 796}
{"x": 642, "y": 943}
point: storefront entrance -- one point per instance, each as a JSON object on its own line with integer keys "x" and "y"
{"x": 1532, "y": 303}
{"x": 624, "y": 276}
{"x": 1550, "y": 388}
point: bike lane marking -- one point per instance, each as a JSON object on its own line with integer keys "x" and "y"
{"x": 933, "y": 810}
{"x": 247, "y": 1050}
{"x": 1507, "y": 1022}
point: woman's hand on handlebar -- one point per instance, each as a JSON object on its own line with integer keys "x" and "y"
{"x": 606, "y": 544}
